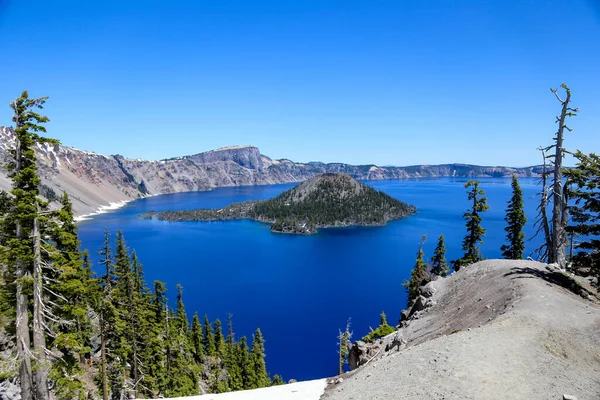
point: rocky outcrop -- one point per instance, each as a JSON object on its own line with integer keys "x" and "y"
{"x": 95, "y": 180}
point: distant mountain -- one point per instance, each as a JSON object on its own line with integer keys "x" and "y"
{"x": 94, "y": 180}
{"x": 325, "y": 200}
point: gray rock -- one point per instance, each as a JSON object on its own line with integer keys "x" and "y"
{"x": 430, "y": 289}
{"x": 420, "y": 304}
{"x": 569, "y": 397}
{"x": 9, "y": 391}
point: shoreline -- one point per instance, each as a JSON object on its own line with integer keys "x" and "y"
{"x": 103, "y": 210}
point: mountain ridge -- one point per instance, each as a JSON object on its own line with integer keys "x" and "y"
{"x": 95, "y": 180}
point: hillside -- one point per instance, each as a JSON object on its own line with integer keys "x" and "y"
{"x": 326, "y": 200}
{"x": 94, "y": 180}
{"x": 497, "y": 329}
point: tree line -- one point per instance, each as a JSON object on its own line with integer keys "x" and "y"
{"x": 67, "y": 325}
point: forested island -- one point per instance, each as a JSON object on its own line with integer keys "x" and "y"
{"x": 326, "y": 200}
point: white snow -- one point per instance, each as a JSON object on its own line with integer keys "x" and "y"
{"x": 308, "y": 390}
{"x": 103, "y": 209}
{"x": 230, "y": 148}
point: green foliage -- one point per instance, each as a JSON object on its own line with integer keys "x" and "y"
{"x": 344, "y": 343}
{"x": 219, "y": 339}
{"x": 381, "y": 331}
{"x": 208, "y": 335}
{"x": 277, "y": 380}
{"x": 584, "y": 191}
{"x": 419, "y": 274}
{"x": 475, "y": 232}
{"x": 260, "y": 377}
{"x": 246, "y": 364}
{"x": 438, "y": 261}
{"x": 516, "y": 220}
{"x": 196, "y": 339}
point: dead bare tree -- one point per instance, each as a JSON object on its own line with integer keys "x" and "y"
{"x": 553, "y": 249}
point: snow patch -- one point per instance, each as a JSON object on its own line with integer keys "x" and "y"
{"x": 103, "y": 209}
{"x": 309, "y": 390}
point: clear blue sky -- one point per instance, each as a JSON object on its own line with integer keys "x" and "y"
{"x": 385, "y": 82}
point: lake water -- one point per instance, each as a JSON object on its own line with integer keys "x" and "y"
{"x": 301, "y": 289}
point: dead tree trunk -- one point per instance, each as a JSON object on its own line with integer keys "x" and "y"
{"x": 103, "y": 357}
{"x": 39, "y": 336}
{"x": 544, "y": 252}
{"x": 559, "y": 206}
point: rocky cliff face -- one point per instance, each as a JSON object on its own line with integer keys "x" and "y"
{"x": 94, "y": 180}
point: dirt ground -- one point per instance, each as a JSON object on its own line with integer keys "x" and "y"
{"x": 498, "y": 330}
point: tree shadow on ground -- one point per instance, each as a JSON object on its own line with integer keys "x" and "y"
{"x": 555, "y": 277}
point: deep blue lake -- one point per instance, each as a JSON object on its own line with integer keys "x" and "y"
{"x": 301, "y": 289}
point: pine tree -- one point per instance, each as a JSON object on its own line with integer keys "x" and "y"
{"x": 245, "y": 362}
{"x": 277, "y": 380}
{"x": 219, "y": 339}
{"x": 418, "y": 275}
{"x": 236, "y": 381}
{"x": 123, "y": 303}
{"x": 344, "y": 341}
{"x": 438, "y": 261}
{"x": 71, "y": 290}
{"x": 209, "y": 338}
{"x": 261, "y": 377}
{"x": 584, "y": 191}
{"x": 142, "y": 317}
{"x": 183, "y": 371}
{"x": 158, "y": 347}
{"x": 196, "y": 339}
{"x": 475, "y": 231}
{"x": 515, "y": 218}
{"x": 24, "y": 247}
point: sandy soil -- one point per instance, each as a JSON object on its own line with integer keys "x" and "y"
{"x": 499, "y": 330}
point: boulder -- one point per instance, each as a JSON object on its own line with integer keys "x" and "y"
{"x": 420, "y": 304}
{"x": 430, "y": 289}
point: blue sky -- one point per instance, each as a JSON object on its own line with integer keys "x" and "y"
{"x": 385, "y": 82}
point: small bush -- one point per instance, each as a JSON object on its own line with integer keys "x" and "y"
{"x": 380, "y": 332}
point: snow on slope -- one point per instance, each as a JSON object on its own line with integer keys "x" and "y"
{"x": 309, "y": 390}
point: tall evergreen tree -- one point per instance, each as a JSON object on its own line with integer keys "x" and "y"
{"x": 261, "y": 377}
{"x": 142, "y": 332}
{"x": 475, "y": 232}
{"x": 438, "y": 261}
{"x": 183, "y": 371}
{"x": 236, "y": 381}
{"x": 24, "y": 246}
{"x": 123, "y": 303}
{"x": 209, "y": 338}
{"x": 515, "y": 218}
{"x": 246, "y": 364}
{"x": 196, "y": 339}
{"x": 71, "y": 290}
{"x": 220, "y": 346}
{"x": 158, "y": 347}
{"x": 418, "y": 274}
{"x": 584, "y": 190}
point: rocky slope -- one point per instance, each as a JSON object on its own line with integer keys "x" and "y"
{"x": 325, "y": 200}
{"x": 497, "y": 329}
{"x": 95, "y": 180}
